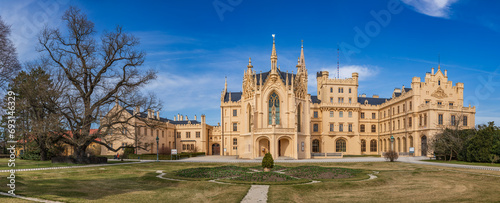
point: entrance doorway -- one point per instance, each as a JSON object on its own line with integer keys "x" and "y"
{"x": 424, "y": 146}
{"x": 284, "y": 148}
{"x": 215, "y": 149}
{"x": 263, "y": 147}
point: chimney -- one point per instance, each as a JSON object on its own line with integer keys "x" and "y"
{"x": 178, "y": 117}
{"x": 375, "y": 96}
{"x": 445, "y": 73}
{"x": 195, "y": 118}
{"x": 397, "y": 90}
{"x": 182, "y": 118}
{"x": 137, "y": 110}
{"x": 158, "y": 115}
{"x": 175, "y": 118}
{"x": 187, "y": 119}
{"x": 432, "y": 71}
{"x": 203, "y": 118}
{"x": 149, "y": 113}
{"x": 363, "y": 95}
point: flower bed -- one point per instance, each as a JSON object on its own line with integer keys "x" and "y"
{"x": 316, "y": 172}
{"x": 263, "y": 177}
{"x": 216, "y": 172}
{"x": 275, "y": 168}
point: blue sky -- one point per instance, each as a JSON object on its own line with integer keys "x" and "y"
{"x": 194, "y": 44}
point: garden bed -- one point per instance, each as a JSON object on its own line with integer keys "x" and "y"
{"x": 212, "y": 173}
{"x": 317, "y": 172}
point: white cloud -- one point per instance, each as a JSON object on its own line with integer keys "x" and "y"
{"x": 27, "y": 18}
{"x": 190, "y": 91}
{"x": 434, "y": 8}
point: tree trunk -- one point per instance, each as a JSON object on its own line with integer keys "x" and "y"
{"x": 79, "y": 153}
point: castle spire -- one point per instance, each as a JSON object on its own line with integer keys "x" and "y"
{"x": 274, "y": 57}
{"x": 225, "y": 84}
{"x": 302, "y": 60}
{"x": 249, "y": 66}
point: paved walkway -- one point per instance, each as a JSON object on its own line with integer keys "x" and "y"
{"x": 257, "y": 193}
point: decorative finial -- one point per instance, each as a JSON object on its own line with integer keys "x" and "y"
{"x": 302, "y": 44}
{"x": 250, "y": 63}
{"x": 439, "y": 61}
{"x": 273, "y": 37}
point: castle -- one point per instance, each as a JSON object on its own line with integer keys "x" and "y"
{"x": 275, "y": 114}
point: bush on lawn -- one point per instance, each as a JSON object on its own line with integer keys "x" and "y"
{"x": 391, "y": 155}
{"x": 267, "y": 161}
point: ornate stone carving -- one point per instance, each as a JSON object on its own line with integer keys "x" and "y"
{"x": 248, "y": 86}
{"x": 439, "y": 93}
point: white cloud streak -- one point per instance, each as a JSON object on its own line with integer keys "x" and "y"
{"x": 434, "y": 8}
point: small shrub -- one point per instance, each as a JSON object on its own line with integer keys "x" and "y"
{"x": 391, "y": 156}
{"x": 267, "y": 161}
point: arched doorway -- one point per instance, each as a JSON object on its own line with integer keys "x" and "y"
{"x": 424, "y": 145}
{"x": 263, "y": 146}
{"x": 215, "y": 149}
{"x": 315, "y": 146}
{"x": 340, "y": 145}
{"x": 284, "y": 147}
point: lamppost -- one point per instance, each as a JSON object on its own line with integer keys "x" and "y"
{"x": 392, "y": 143}
{"x": 157, "y": 145}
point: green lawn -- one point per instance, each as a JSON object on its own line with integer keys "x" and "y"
{"x": 25, "y": 164}
{"x": 464, "y": 162}
{"x": 396, "y": 182}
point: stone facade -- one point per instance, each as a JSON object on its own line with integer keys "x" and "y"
{"x": 142, "y": 129}
{"x": 274, "y": 113}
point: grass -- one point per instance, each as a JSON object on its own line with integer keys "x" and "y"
{"x": 396, "y": 182}
{"x": 28, "y": 164}
{"x": 464, "y": 162}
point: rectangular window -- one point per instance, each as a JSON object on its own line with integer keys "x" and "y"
{"x": 374, "y": 128}
{"x": 341, "y": 100}
{"x": 362, "y": 115}
{"x": 315, "y": 127}
{"x": 350, "y": 127}
{"x": 331, "y": 113}
{"x": 235, "y": 127}
{"x": 451, "y": 104}
{"x": 349, "y": 90}
{"x": 178, "y": 134}
{"x": 188, "y": 134}
{"x": 331, "y": 127}
{"x": 341, "y": 114}
{"x": 341, "y": 127}
{"x": 465, "y": 120}
{"x": 162, "y": 133}
{"x": 440, "y": 119}
{"x": 341, "y": 90}
{"x": 373, "y": 116}
{"x": 427, "y": 101}
{"x": 409, "y": 122}
{"x": 183, "y": 147}
{"x": 235, "y": 141}
{"x": 410, "y": 106}
{"x": 362, "y": 128}
{"x": 331, "y": 99}
{"x": 315, "y": 114}
{"x": 235, "y": 112}
{"x": 198, "y": 134}
{"x": 440, "y": 103}
{"x": 350, "y": 114}
{"x": 452, "y": 119}
{"x": 350, "y": 100}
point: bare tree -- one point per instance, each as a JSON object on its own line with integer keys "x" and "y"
{"x": 9, "y": 65}
{"x": 99, "y": 72}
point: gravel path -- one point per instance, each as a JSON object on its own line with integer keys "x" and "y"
{"x": 28, "y": 198}
{"x": 257, "y": 193}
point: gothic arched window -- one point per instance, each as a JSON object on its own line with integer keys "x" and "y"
{"x": 274, "y": 108}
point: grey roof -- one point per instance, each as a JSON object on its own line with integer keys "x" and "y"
{"x": 283, "y": 76}
{"x": 315, "y": 100}
{"x": 407, "y": 89}
{"x": 397, "y": 94}
{"x": 235, "y": 96}
{"x": 372, "y": 101}
{"x": 145, "y": 115}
